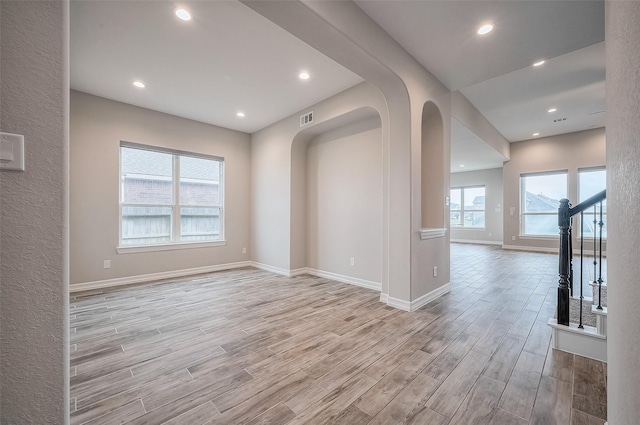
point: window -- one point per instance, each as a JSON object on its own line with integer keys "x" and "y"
{"x": 540, "y": 196}
{"x": 169, "y": 197}
{"x": 467, "y": 207}
{"x": 592, "y": 181}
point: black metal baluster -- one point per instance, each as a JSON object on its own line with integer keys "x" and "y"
{"x": 595, "y": 256}
{"x": 581, "y": 265}
{"x": 571, "y": 256}
{"x": 600, "y": 269}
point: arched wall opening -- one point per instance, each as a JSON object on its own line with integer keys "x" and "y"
{"x": 337, "y": 198}
{"x": 433, "y": 168}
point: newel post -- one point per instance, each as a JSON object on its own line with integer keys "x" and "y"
{"x": 564, "y": 223}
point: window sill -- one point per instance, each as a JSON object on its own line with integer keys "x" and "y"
{"x": 483, "y": 229}
{"x": 167, "y": 247}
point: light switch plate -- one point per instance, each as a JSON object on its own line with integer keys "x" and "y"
{"x": 11, "y": 152}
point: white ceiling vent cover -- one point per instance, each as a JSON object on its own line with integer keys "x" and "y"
{"x": 306, "y": 119}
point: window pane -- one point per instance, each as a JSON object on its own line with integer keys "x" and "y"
{"x": 199, "y": 181}
{"x": 591, "y": 182}
{"x": 199, "y": 224}
{"x": 543, "y": 193}
{"x": 146, "y": 177}
{"x": 474, "y": 199}
{"x": 455, "y": 218}
{"x": 542, "y": 225}
{"x": 146, "y": 225}
{"x": 474, "y": 219}
{"x": 456, "y": 199}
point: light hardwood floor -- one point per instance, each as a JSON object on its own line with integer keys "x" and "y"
{"x": 250, "y": 347}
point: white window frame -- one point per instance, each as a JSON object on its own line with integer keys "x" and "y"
{"x": 523, "y": 200}
{"x": 462, "y": 210}
{"x": 175, "y": 243}
{"x": 589, "y": 211}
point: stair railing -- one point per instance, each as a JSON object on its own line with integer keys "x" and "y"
{"x": 566, "y": 283}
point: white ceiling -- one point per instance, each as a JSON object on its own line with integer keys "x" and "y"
{"x": 441, "y": 34}
{"x": 495, "y": 71}
{"x": 227, "y": 59}
{"x": 517, "y": 103}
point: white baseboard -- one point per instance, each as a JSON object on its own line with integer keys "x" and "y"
{"x": 418, "y": 302}
{"x": 320, "y": 273}
{"x": 298, "y": 272}
{"x": 531, "y": 248}
{"x": 430, "y": 296}
{"x": 345, "y": 279}
{"x": 121, "y": 281}
{"x": 476, "y": 242}
{"x": 399, "y": 304}
{"x": 272, "y": 269}
{"x": 384, "y": 298}
{"x": 576, "y": 252}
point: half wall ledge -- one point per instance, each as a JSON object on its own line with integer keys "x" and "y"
{"x": 432, "y": 233}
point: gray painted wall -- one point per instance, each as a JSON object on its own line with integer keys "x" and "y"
{"x": 344, "y": 200}
{"x": 492, "y": 181}
{"x": 97, "y": 127}
{"x": 343, "y": 32}
{"x": 470, "y": 117}
{"x": 565, "y": 152}
{"x": 623, "y": 193}
{"x": 33, "y": 237}
{"x": 278, "y": 179}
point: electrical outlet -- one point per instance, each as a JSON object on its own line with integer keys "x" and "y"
{"x": 107, "y": 264}
{"x": 513, "y": 238}
{"x": 244, "y": 250}
{"x": 490, "y": 235}
{"x": 352, "y": 261}
{"x": 435, "y": 271}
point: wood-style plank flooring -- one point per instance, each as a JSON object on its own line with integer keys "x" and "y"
{"x": 250, "y": 347}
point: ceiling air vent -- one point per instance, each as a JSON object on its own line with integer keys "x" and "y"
{"x": 560, "y": 119}
{"x": 306, "y": 119}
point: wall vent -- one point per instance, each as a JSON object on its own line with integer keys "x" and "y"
{"x": 560, "y": 120}
{"x": 306, "y": 119}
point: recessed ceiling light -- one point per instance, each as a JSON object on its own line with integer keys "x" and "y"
{"x": 536, "y": 134}
{"x": 485, "y": 29}
{"x": 539, "y": 63}
{"x": 183, "y": 14}
{"x": 139, "y": 84}
{"x": 461, "y": 165}
{"x": 240, "y": 114}
{"x": 552, "y": 110}
{"x": 304, "y": 76}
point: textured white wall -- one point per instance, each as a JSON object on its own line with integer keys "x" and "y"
{"x": 492, "y": 181}
{"x": 564, "y": 152}
{"x": 97, "y": 127}
{"x": 623, "y": 193}
{"x": 34, "y": 252}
